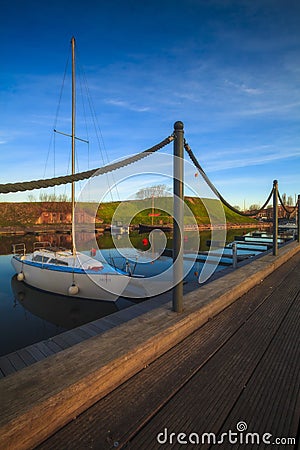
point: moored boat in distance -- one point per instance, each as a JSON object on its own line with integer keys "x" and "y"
{"x": 144, "y": 228}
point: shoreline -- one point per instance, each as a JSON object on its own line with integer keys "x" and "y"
{"x": 66, "y": 228}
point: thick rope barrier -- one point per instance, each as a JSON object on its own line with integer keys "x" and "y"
{"x": 50, "y": 182}
{"x": 215, "y": 190}
{"x": 291, "y": 209}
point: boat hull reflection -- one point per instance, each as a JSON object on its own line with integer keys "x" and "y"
{"x": 62, "y": 311}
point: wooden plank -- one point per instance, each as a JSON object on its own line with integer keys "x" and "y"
{"x": 107, "y": 422}
{"x": 143, "y": 307}
{"x": 99, "y": 326}
{"x": 126, "y": 314}
{"x": 26, "y": 356}
{"x": 61, "y": 341}
{"x": 46, "y": 350}
{"x": 6, "y": 366}
{"x": 271, "y": 400}
{"x": 35, "y": 352}
{"x": 220, "y": 382}
{"x": 111, "y": 359}
{"x": 241, "y": 241}
{"x": 38, "y": 351}
{"x": 82, "y": 333}
{"x": 53, "y": 345}
{"x": 113, "y": 320}
{"x": 69, "y": 337}
{"x": 16, "y": 361}
{"x": 90, "y": 329}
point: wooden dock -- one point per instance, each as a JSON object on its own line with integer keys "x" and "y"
{"x": 242, "y": 367}
{"x": 227, "y": 358}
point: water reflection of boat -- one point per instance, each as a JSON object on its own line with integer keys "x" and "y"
{"x": 66, "y": 312}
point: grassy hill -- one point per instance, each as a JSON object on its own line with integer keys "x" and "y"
{"x": 195, "y": 205}
{"x": 26, "y": 214}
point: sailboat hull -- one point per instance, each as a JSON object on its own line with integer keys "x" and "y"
{"x": 96, "y": 286}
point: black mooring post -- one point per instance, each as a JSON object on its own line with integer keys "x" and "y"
{"x": 178, "y": 218}
{"x": 275, "y": 217}
{"x": 298, "y": 219}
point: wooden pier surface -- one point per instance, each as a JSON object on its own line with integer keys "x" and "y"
{"x": 240, "y": 368}
{"x": 227, "y": 358}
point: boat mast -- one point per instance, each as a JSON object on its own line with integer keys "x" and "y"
{"x": 73, "y": 142}
{"x": 152, "y": 209}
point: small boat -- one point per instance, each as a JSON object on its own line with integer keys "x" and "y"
{"x": 144, "y": 228}
{"x": 71, "y": 272}
{"x": 62, "y": 272}
{"x": 119, "y": 228}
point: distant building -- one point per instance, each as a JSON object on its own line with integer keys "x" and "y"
{"x": 50, "y": 217}
{"x": 58, "y": 217}
{"x": 267, "y": 213}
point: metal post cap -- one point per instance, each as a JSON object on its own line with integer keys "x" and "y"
{"x": 178, "y": 125}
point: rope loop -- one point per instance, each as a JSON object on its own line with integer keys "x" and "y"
{"x": 215, "y": 190}
{"x": 50, "y": 182}
{"x": 291, "y": 209}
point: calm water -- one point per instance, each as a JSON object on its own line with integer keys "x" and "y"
{"x": 28, "y": 315}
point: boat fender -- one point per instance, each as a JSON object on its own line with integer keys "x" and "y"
{"x": 73, "y": 289}
{"x": 20, "y": 276}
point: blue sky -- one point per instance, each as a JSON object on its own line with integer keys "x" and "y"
{"x": 229, "y": 69}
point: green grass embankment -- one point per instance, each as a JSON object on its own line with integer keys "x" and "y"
{"x": 137, "y": 211}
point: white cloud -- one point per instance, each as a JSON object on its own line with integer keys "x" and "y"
{"x": 254, "y": 159}
{"x": 265, "y": 108}
{"x": 127, "y": 105}
{"x": 242, "y": 87}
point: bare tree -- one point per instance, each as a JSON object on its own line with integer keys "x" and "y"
{"x": 158, "y": 190}
{"x": 53, "y": 198}
{"x": 254, "y": 207}
{"x": 284, "y": 198}
{"x": 31, "y": 198}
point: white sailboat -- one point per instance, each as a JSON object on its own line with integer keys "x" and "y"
{"x": 71, "y": 272}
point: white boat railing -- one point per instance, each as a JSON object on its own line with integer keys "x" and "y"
{"x": 41, "y": 245}
{"x": 19, "y": 249}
